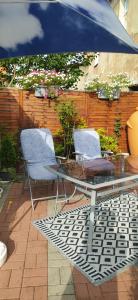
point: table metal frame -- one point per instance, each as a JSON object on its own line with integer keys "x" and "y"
{"x": 94, "y": 191}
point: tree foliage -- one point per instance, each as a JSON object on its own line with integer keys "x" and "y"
{"x": 69, "y": 63}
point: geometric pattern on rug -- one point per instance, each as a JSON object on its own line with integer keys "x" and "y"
{"x": 115, "y": 239}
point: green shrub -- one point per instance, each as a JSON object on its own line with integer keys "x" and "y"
{"x": 108, "y": 142}
{"x": 59, "y": 147}
{"x": 8, "y": 155}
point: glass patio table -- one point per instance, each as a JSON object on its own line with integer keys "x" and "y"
{"x": 92, "y": 179}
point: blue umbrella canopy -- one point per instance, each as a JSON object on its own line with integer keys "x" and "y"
{"x": 30, "y": 27}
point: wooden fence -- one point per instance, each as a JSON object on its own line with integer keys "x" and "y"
{"x": 21, "y": 109}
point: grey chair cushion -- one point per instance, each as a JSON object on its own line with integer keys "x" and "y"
{"x": 98, "y": 165}
{"x": 37, "y": 171}
{"x": 38, "y": 150}
{"x": 86, "y": 142}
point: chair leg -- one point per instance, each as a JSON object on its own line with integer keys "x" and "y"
{"x": 52, "y": 184}
{"x": 57, "y": 195}
{"x": 64, "y": 189}
{"x": 24, "y": 179}
{"x": 31, "y": 194}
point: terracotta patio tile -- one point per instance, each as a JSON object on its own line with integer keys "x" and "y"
{"x": 32, "y": 254}
{"x": 4, "y": 278}
{"x": 25, "y": 225}
{"x": 35, "y": 244}
{"x": 131, "y": 286}
{"x": 27, "y": 293}
{"x": 118, "y": 277}
{"x": 10, "y": 247}
{"x": 33, "y": 234}
{"x": 16, "y": 257}
{"x": 8, "y": 294}
{"x": 109, "y": 287}
{"x": 40, "y": 237}
{"x": 42, "y": 260}
{"x": 20, "y": 247}
{"x": 35, "y": 272}
{"x": 128, "y": 276}
{"x": 34, "y": 281}
{"x": 9, "y": 227}
{"x": 19, "y": 236}
{"x": 135, "y": 275}
{"x": 118, "y": 296}
{"x": 134, "y": 268}
{"x": 81, "y": 292}
{"x": 10, "y": 217}
{"x": 37, "y": 247}
{"x": 30, "y": 261}
{"x": 94, "y": 291}
{"x": 16, "y": 278}
{"x": 26, "y": 221}
{"x": 40, "y": 293}
{"x": 78, "y": 277}
{"x": 13, "y": 225}
{"x": 13, "y": 265}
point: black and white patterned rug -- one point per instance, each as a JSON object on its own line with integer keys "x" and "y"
{"x": 115, "y": 239}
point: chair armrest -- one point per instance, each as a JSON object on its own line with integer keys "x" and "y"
{"x": 61, "y": 157}
{"x": 107, "y": 152}
{"x": 78, "y": 153}
{"x": 122, "y": 154}
{"x": 32, "y": 161}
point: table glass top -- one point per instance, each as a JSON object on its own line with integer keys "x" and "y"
{"x": 98, "y": 171}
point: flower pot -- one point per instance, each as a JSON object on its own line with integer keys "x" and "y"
{"x": 101, "y": 94}
{"x": 115, "y": 94}
{"x": 52, "y": 92}
{"x": 40, "y": 92}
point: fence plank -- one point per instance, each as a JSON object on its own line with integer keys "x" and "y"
{"x": 21, "y": 109}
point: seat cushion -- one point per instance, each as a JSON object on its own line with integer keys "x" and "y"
{"x": 86, "y": 142}
{"x": 37, "y": 171}
{"x": 37, "y": 145}
{"x": 98, "y": 165}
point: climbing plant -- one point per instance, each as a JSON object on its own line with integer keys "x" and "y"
{"x": 117, "y": 127}
{"x": 69, "y": 119}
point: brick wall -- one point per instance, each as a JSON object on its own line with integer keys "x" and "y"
{"x": 21, "y": 109}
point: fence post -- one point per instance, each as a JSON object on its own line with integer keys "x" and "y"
{"x": 21, "y": 111}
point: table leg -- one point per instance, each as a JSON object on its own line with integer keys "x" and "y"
{"x": 91, "y": 225}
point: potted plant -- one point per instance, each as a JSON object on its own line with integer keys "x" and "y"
{"x": 110, "y": 87}
{"x": 45, "y": 83}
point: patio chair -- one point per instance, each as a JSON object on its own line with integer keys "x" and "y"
{"x": 38, "y": 151}
{"x": 87, "y": 147}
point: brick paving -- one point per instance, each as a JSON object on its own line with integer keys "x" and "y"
{"x": 35, "y": 270}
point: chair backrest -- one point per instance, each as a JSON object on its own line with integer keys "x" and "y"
{"x": 37, "y": 145}
{"x": 87, "y": 142}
